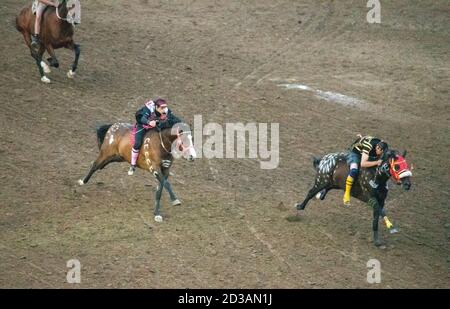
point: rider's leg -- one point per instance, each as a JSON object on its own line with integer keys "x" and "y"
{"x": 140, "y": 132}
{"x": 353, "y": 161}
{"x": 37, "y": 24}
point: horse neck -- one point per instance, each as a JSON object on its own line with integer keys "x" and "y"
{"x": 62, "y": 10}
{"x": 167, "y": 138}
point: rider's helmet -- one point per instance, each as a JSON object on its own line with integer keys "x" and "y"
{"x": 162, "y": 104}
{"x": 383, "y": 146}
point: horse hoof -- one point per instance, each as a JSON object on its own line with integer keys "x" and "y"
{"x": 299, "y": 207}
{"x": 158, "y": 218}
{"x": 80, "y": 182}
{"x": 45, "y": 67}
{"x": 45, "y": 79}
{"x": 70, "y": 74}
{"x": 393, "y": 230}
{"x": 176, "y": 202}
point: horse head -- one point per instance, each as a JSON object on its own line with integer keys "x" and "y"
{"x": 70, "y": 11}
{"x": 183, "y": 145}
{"x": 396, "y": 166}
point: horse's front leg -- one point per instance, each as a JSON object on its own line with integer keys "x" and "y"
{"x": 161, "y": 183}
{"x": 37, "y": 55}
{"x": 52, "y": 60}
{"x": 77, "y": 50}
{"x": 376, "y": 216}
{"x": 381, "y": 195}
{"x": 392, "y": 229}
{"x": 173, "y": 198}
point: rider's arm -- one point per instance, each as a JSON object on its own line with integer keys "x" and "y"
{"x": 172, "y": 119}
{"x": 366, "y": 163}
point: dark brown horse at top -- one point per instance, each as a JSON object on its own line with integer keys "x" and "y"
{"x": 370, "y": 186}
{"x": 56, "y": 32}
{"x": 157, "y": 153}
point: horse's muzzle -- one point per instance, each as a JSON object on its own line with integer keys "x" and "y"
{"x": 406, "y": 183}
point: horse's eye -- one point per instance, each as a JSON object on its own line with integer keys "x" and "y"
{"x": 396, "y": 167}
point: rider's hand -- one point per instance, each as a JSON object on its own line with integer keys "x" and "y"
{"x": 56, "y": 4}
{"x": 379, "y": 162}
{"x": 152, "y": 123}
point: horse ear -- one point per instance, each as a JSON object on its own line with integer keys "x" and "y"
{"x": 391, "y": 154}
{"x": 404, "y": 154}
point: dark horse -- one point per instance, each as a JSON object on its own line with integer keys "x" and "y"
{"x": 157, "y": 152}
{"x": 370, "y": 186}
{"x": 56, "y": 32}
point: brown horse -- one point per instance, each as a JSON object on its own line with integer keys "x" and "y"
{"x": 370, "y": 186}
{"x": 157, "y": 152}
{"x": 56, "y": 32}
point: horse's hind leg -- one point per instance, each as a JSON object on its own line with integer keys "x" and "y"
{"x": 99, "y": 164}
{"x": 92, "y": 170}
{"x": 322, "y": 194}
{"x": 316, "y": 189}
{"x": 77, "y": 50}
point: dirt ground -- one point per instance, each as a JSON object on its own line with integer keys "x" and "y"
{"x": 225, "y": 61}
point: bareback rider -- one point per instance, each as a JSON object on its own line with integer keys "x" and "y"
{"x": 154, "y": 114}
{"x": 366, "y": 151}
{"x": 41, "y": 6}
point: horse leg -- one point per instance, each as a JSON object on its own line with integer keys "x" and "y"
{"x": 52, "y": 60}
{"x": 101, "y": 161}
{"x": 316, "y": 189}
{"x": 381, "y": 197}
{"x": 322, "y": 194}
{"x": 173, "y": 197}
{"x": 392, "y": 229}
{"x": 376, "y": 215}
{"x": 77, "y": 50}
{"x": 37, "y": 56}
{"x": 161, "y": 179}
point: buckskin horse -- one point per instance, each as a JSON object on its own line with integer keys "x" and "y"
{"x": 57, "y": 31}
{"x": 157, "y": 153}
{"x": 370, "y": 186}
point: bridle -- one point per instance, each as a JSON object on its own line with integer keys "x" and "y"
{"x": 62, "y": 18}
{"x": 399, "y": 169}
{"x": 179, "y": 142}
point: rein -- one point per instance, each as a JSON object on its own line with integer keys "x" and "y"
{"x": 62, "y": 18}
{"x": 57, "y": 12}
{"x": 178, "y": 136}
{"x": 162, "y": 143}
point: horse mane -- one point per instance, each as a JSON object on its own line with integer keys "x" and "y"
{"x": 390, "y": 154}
{"x": 316, "y": 162}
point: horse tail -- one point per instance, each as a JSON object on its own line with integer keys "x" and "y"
{"x": 101, "y": 132}
{"x": 19, "y": 21}
{"x": 17, "y": 24}
{"x": 316, "y": 162}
